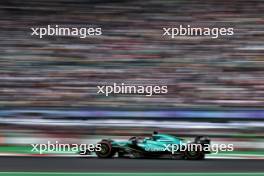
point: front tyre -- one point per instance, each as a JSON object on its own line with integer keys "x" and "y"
{"x": 106, "y": 151}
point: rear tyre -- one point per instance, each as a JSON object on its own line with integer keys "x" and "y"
{"x": 194, "y": 154}
{"x": 106, "y": 151}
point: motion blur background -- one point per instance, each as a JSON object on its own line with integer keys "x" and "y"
{"x": 48, "y": 86}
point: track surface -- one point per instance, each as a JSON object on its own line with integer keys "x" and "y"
{"x": 64, "y": 164}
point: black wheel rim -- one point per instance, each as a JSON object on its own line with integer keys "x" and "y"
{"x": 104, "y": 149}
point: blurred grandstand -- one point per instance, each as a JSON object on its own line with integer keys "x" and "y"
{"x": 48, "y": 86}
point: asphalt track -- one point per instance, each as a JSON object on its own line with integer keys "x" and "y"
{"x": 70, "y": 164}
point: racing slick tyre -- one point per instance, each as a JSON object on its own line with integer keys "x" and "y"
{"x": 106, "y": 151}
{"x": 194, "y": 154}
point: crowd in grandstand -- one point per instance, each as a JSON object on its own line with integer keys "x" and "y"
{"x": 65, "y": 71}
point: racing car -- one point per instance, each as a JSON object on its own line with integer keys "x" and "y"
{"x": 157, "y": 146}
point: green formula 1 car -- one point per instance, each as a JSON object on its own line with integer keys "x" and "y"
{"x": 157, "y": 146}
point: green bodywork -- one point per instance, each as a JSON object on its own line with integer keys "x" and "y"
{"x": 156, "y": 143}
